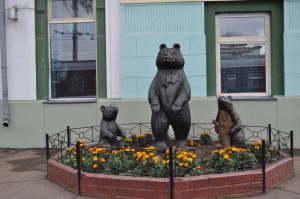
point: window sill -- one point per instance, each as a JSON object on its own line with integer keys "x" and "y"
{"x": 255, "y": 98}
{"x": 83, "y": 101}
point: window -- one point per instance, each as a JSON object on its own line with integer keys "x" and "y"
{"x": 243, "y": 54}
{"x": 72, "y": 34}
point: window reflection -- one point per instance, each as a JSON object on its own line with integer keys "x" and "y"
{"x": 243, "y": 68}
{"x": 242, "y": 26}
{"x": 72, "y": 8}
{"x": 73, "y": 60}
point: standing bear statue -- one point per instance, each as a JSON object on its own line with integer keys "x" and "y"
{"x": 109, "y": 129}
{"x": 168, "y": 96}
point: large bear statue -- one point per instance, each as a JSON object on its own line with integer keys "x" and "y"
{"x": 168, "y": 96}
{"x": 109, "y": 129}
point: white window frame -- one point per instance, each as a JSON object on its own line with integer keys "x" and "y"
{"x": 70, "y": 20}
{"x": 266, "y": 39}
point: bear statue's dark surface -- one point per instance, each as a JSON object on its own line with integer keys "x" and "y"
{"x": 168, "y": 96}
{"x": 109, "y": 129}
{"x": 228, "y": 123}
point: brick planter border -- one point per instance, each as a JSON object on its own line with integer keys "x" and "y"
{"x": 240, "y": 184}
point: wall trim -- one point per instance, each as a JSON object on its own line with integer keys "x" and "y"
{"x": 170, "y": 1}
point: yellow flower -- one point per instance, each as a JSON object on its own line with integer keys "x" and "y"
{"x": 132, "y": 150}
{"x": 206, "y": 132}
{"x": 259, "y": 143}
{"x": 95, "y": 159}
{"x": 151, "y": 154}
{"x": 234, "y": 149}
{"x": 127, "y": 150}
{"x": 226, "y": 156}
{"x": 181, "y": 164}
{"x": 74, "y": 153}
{"x": 186, "y": 164}
{"x": 180, "y": 156}
{"x": 148, "y": 133}
{"x": 229, "y": 152}
{"x": 155, "y": 159}
{"x": 145, "y": 163}
{"x": 83, "y": 159}
{"x": 194, "y": 156}
{"x": 191, "y": 142}
{"x": 138, "y": 136}
{"x": 256, "y": 147}
{"x": 82, "y": 141}
{"x": 199, "y": 145}
{"x": 190, "y": 159}
{"x": 81, "y": 144}
{"x": 198, "y": 167}
{"x": 95, "y": 166}
{"x": 103, "y": 160}
{"x": 271, "y": 149}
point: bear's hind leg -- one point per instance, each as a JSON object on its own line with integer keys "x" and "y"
{"x": 160, "y": 126}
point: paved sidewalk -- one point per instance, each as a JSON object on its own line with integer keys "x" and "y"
{"x": 23, "y": 176}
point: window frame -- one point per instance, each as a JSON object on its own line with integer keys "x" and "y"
{"x": 266, "y": 39}
{"x": 66, "y": 21}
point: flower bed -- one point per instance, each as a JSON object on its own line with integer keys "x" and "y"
{"x": 240, "y": 184}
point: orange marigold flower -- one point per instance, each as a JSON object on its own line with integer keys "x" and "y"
{"x": 148, "y": 133}
{"x": 83, "y": 159}
{"x": 226, "y": 156}
{"x": 199, "y": 145}
{"x": 103, "y": 160}
{"x": 206, "y": 132}
{"x": 256, "y": 147}
{"x": 95, "y": 166}
{"x": 181, "y": 164}
{"x": 145, "y": 163}
{"x": 271, "y": 149}
{"x": 186, "y": 164}
{"x": 198, "y": 167}
{"x": 194, "y": 156}
{"x": 95, "y": 159}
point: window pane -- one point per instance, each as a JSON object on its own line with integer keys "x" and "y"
{"x": 72, "y": 8}
{"x": 243, "y": 68}
{"x": 73, "y": 60}
{"x": 242, "y": 26}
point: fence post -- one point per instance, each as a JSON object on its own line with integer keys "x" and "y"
{"x": 171, "y": 173}
{"x": 263, "y": 165}
{"x": 78, "y": 160}
{"x": 292, "y": 143}
{"x": 270, "y": 133}
{"x": 47, "y": 147}
{"x": 69, "y": 136}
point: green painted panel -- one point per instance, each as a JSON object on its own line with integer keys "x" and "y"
{"x": 101, "y": 50}
{"x": 42, "y": 66}
{"x": 101, "y": 66}
{"x": 275, "y": 8}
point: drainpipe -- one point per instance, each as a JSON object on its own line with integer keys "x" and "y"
{"x": 4, "y": 64}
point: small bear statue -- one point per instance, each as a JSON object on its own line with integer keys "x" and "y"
{"x": 168, "y": 96}
{"x": 228, "y": 123}
{"x": 109, "y": 129}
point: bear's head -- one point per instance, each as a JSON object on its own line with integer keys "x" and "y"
{"x": 109, "y": 113}
{"x": 169, "y": 58}
{"x": 225, "y": 103}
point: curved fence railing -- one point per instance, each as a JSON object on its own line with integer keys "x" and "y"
{"x": 267, "y": 140}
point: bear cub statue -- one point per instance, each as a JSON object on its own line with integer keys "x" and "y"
{"x": 109, "y": 129}
{"x": 228, "y": 123}
{"x": 168, "y": 96}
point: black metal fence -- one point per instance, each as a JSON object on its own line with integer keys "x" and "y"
{"x": 281, "y": 141}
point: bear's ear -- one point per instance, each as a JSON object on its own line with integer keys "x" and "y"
{"x": 162, "y": 46}
{"x": 177, "y": 46}
{"x": 102, "y": 108}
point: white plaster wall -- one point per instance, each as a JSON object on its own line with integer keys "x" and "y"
{"x": 20, "y": 46}
{"x": 113, "y": 40}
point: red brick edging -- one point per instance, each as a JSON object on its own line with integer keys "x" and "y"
{"x": 241, "y": 184}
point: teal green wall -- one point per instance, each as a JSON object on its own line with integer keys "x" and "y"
{"x": 275, "y": 8}
{"x": 292, "y": 47}
{"x": 145, "y": 27}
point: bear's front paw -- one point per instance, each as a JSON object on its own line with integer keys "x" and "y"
{"x": 155, "y": 107}
{"x": 176, "y": 107}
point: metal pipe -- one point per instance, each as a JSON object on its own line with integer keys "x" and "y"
{"x": 6, "y": 118}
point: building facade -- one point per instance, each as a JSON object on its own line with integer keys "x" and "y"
{"x": 67, "y": 58}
